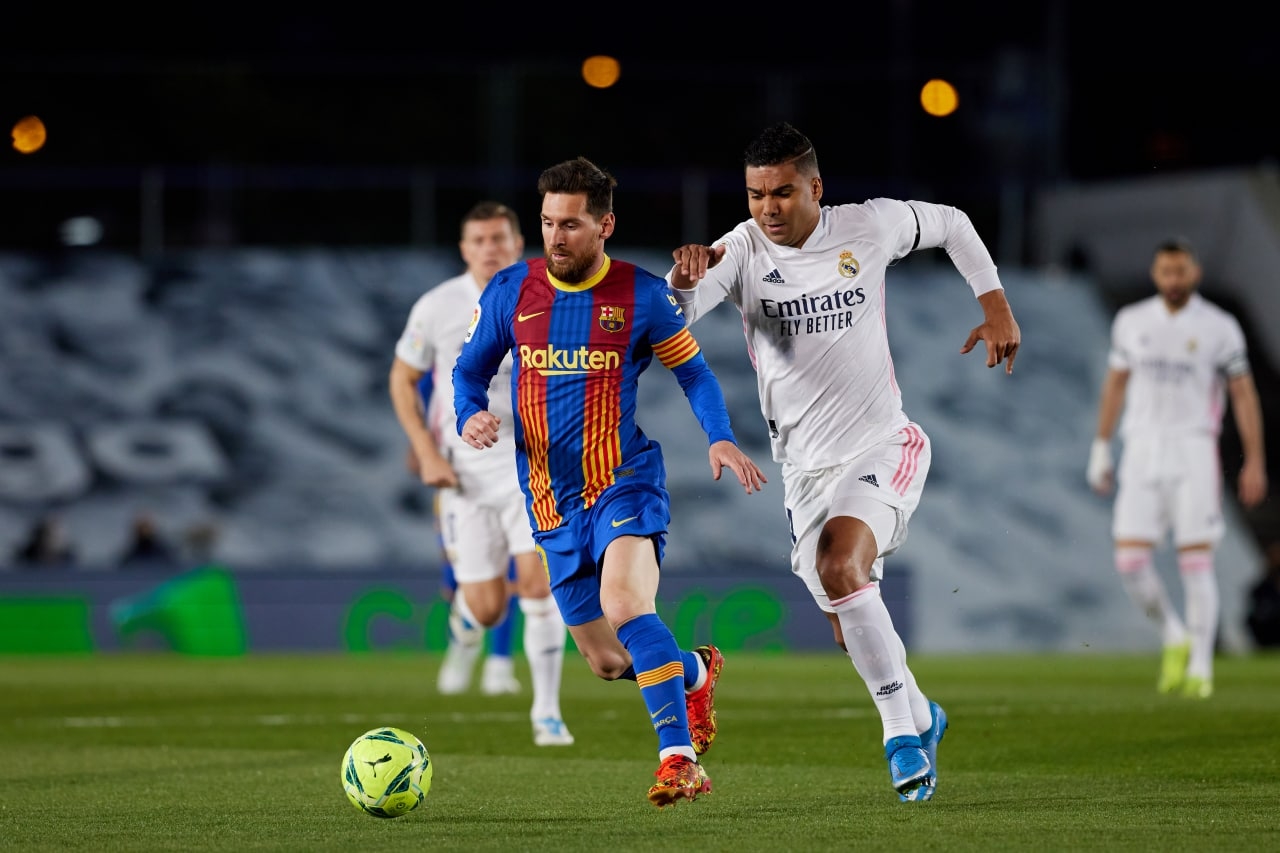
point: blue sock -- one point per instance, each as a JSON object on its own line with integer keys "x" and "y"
{"x": 448, "y": 583}
{"x": 657, "y": 661}
{"x": 502, "y": 635}
{"x": 691, "y": 671}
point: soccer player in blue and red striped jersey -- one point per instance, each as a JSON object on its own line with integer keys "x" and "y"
{"x": 581, "y": 328}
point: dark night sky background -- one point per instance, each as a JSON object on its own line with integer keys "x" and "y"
{"x": 1050, "y": 92}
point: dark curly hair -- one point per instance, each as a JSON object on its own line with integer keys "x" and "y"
{"x": 580, "y": 175}
{"x": 781, "y": 143}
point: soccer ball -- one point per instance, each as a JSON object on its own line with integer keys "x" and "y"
{"x": 386, "y": 772}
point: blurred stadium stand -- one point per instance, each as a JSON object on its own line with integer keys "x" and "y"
{"x": 241, "y": 394}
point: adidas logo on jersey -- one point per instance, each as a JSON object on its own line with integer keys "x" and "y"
{"x": 774, "y": 277}
{"x": 869, "y": 478}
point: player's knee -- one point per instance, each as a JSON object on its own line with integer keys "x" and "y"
{"x": 607, "y": 663}
{"x": 491, "y": 617}
{"x": 485, "y": 610}
{"x": 841, "y": 574}
{"x": 846, "y": 553}
{"x": 619, "y": 610}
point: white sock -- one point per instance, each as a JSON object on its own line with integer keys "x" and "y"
{"x": 700, "y": 681}
{"x": 1200, "y": 586}
{"x": 544, "y": 642}
{"x": 879, "y": 657}
{"x": 1137, "y": 570}
{"x": 920, "y": 713}
{"x": 464, "y": 629}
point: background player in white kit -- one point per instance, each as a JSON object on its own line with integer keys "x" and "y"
{"x": 1174, "y": 357}
{"x": 809, "y": 280}
{"x": 483, "y": 523}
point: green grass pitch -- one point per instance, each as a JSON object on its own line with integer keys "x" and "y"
{"x": 140, "y": 752}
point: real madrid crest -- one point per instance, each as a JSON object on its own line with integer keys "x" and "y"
{"x": 848, "y": 264}
{"x": 612, "y": 318}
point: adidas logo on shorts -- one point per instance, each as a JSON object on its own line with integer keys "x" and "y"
{"x": 869, "y": 478}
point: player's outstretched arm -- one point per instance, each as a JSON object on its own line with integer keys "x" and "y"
{"x": 998, "y": 330}
{"x": 481, "y": 430}
{"x": 692, "y": 262}
{"x": 726, "y": 454}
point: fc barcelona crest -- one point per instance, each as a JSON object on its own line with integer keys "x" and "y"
{"x": 612, "y": 318}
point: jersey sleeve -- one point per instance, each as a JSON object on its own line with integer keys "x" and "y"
{"x": 416, "y": 346}
{"x": 1234, "y": 358}
{"x": 487, "y": 342}
{"x": 677, "y": 349}
{"x": 1119, "y": 357}
{"x": 720, "y": 283}
{"x": 948, "y": 228}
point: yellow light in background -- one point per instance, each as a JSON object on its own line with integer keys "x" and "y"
{"x": 29, "y": 135}
{"x": 939, "y": 98}
{"x": 601, "y": 72}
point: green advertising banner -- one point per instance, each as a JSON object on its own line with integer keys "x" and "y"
{"x": 213, "y": 611}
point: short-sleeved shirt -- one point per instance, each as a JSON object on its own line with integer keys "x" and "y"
{"x": 430, "y": 342}
{"x": 1178, "y": 364}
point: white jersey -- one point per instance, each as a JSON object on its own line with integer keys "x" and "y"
{"x": 431, "y": 341}
{"x": 814, "y": 319}
{"x": 1178, "y": 364}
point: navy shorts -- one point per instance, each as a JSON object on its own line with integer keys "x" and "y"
{"x": 573, "y": 552}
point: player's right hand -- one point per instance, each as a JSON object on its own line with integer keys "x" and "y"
{"x": 726, "y": 454}
{"x": 481, "y": 430}
{"x": 1099, "y": 473}
{"x": 435, "y": 470}
{"x": 692, "y": 262}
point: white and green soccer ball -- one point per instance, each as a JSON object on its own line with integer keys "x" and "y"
{"x": 386, "y": 772}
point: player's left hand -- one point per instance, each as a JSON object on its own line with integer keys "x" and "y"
{"x": 481, "y": 430}
{"x": 1252, "y": 485}
{"x": 999, "y": 330}
{"x": 726, "y": 454}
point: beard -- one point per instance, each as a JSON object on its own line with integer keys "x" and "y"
{"x": 571, "y": 271}
{"x": 1177, "y": 298}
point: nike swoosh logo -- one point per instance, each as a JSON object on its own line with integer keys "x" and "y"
{"x": 623, "y": 521}
{"x": 655, "y": 714}
{"x": 520, "y": 318}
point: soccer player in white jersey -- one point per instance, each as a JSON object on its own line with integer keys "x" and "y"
{"x": 1174, "y": 358}
{"x": 809, "y": 281}
{"x": 483, "y": 524}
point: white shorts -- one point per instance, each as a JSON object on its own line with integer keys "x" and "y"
{"x": 1168, "y": 485}
{"x": 882, "y": 487}
{"x": 480, "y": 537}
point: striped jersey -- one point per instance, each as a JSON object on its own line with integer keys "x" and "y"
{"x": 1178, "y": 365}
{"x": 814, "y": 319}
{"x": 577, "y": 354}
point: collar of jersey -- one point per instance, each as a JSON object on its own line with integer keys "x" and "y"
{"x": 585, "y": 285}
